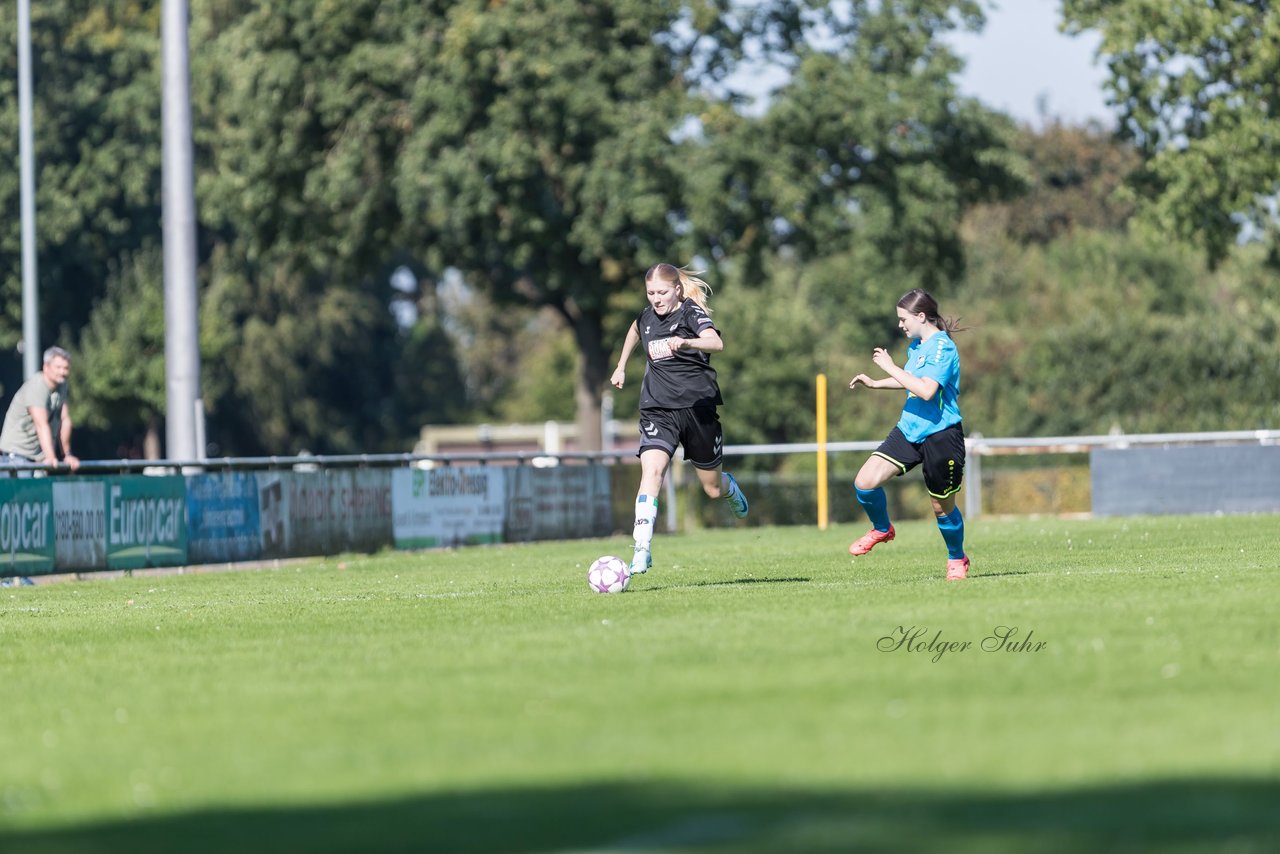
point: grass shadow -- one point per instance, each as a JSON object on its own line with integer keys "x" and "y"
{"x": 1184, "y": 815}
{"x": 1010, "y": 574}
{"x": 736, "y": 581}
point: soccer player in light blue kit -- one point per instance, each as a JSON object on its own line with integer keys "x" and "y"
{"x": 929, "y": 433}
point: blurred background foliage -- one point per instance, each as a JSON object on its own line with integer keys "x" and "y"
{"x": 419, "y": 212}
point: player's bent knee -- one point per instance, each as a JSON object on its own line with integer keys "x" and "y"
{"x": 868, "y": 481}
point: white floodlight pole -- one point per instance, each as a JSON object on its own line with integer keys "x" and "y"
{"x": 181, "y": 326}
{"x": 27, "y": 179}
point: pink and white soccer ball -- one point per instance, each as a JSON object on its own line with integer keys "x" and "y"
{"x": 609, "y": 574}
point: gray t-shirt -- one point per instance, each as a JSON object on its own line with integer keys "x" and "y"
{"x": 19, "y": 433}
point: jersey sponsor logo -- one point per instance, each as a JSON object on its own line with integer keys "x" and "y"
{"x": 660, "y": 348}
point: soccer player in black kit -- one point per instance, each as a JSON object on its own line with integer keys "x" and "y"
{"x": 678, "y": 398}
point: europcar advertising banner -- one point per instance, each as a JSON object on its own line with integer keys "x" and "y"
{"x": 222, "y": 517}
{"x": 26, "y": 526}
{"x": 324, "y": 512}
{"x": 560, "y": 502}
{"x": 80, "y": 523}
{"x": 146, "y": 521}
{"x": 137, "y": 521}
{"x": 448, "y": 506}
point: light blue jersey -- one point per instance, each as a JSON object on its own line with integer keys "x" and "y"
{"x": 938, "y": 360}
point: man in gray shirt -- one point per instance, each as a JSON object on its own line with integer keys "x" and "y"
{"x": 38, "y": 413}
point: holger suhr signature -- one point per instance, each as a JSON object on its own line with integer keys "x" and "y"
{"x": 919, "y": 639}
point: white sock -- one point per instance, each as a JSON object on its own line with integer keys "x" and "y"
{"x": 646, "y": 513}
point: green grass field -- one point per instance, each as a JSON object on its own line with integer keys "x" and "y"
{"x": 740, "y": 697}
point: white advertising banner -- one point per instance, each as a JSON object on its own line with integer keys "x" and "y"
{"x": 80, "y": 524}
{"x": 448, "y": 506}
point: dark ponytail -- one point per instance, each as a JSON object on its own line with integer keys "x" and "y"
{"x": 918, "y": 300}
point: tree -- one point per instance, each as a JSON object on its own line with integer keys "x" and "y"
{"x": 772, "y": 341}
{"x": 562, "y": 148}
{"x": 96, "y": 129}
{"x": 1076, "y": 177}
{"x": 517, "y": 363}
{"x": 540, "y": 160}
{"x": 121, "y": 387}
{"x": 878, "y": 148}
{"x": 1103, "y": 328}
{"x": 426, "y": 379}
{"x": 1197, "y": 89}
{"x": 549, "y": 150}
{"x": 301, "y": 110}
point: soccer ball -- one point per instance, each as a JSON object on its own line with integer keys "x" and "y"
{"x": 608, "y": 574}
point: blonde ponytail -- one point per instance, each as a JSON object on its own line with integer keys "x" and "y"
{"x": 690, "y": 285}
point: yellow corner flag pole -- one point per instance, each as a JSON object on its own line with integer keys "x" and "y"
{"x": 822, "y": 452}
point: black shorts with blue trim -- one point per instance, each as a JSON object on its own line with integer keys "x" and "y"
{"x": 942, "y": 454}
{"x": 697, "y": 428}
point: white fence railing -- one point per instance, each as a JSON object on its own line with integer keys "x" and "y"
{"x": 977, "y": 447}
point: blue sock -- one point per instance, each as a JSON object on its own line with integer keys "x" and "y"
{"x": 952, "y": 528}
{"x": 876, "y": 505}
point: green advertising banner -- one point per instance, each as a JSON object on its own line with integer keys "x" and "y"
{"x": 26, "y": 526}
{"x": 146, "y": 521}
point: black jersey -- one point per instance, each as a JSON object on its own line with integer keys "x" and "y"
{"x": 676, "y": 379}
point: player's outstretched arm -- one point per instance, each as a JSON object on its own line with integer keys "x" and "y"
{"x": 864, "y": 380}
{"x": 708, "y": 342}
{"x": 922, "y": 387}
{"x": 629, "y": 344}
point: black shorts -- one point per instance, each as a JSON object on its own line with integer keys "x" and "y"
{"x": 697, "y": 428}
{"x": 942, "y": 454}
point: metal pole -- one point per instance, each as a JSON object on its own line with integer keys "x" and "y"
{"x": 606, "y": 421}
{"x": 822, "y": 452}
{"x": 201, "y": 444}
{"x": 973, "y": 477}
{"x": 671, "y": 486}
{"x": 26, "y": 154}
{"x": 181, "y": 327}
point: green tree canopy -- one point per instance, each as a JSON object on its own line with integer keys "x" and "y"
{"x": 562, "y": 148}
{"x": 874, "y": 145}
{"x": 296, "y": 128}
{"x": 550, "y": 151}
{"x": 96, "y": 125}
{"x": 540, "y": 158}
{"x": 1077, "y": 178}
{"x": 120, "y": 379}
{"x": 1197, "y": 86}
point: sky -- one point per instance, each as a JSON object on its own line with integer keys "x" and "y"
{"x": 1021, "y": 58}
{"x": 1018, "y": 61}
